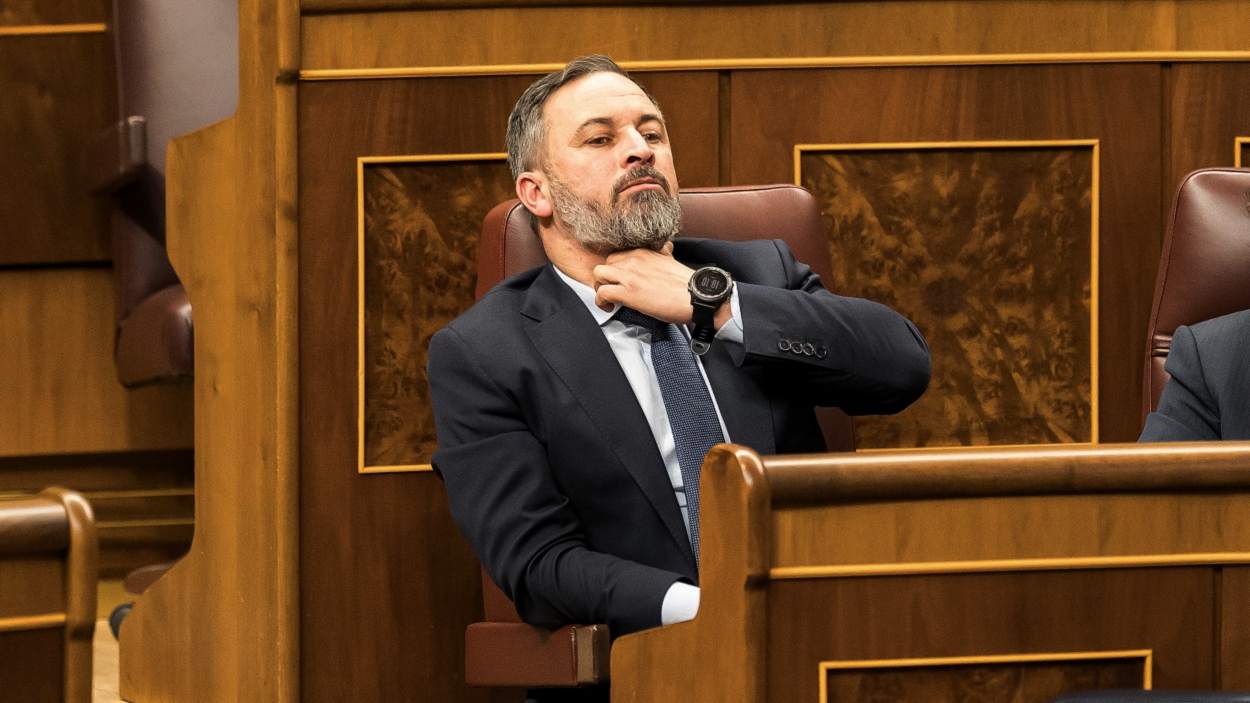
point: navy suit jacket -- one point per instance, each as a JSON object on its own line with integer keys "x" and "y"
{"x": 1208, "y": 396}
{"x": 550, "y": 467}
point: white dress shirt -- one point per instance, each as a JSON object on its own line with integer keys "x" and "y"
{"x": 632, "y": 347}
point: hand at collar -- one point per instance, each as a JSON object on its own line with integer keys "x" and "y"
{"x": 651, "y": 282}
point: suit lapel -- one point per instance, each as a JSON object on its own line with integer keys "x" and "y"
{"x": 566, "y": 335}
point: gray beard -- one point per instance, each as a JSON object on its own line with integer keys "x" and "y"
{"x": 647, "y": 221}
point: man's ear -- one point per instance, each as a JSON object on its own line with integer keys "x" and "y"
{"x": 531, "y": 188}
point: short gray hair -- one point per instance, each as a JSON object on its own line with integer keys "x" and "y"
{"x": 526, "y": 129}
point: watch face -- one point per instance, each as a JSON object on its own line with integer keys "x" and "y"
{"x": 710, "y": 282}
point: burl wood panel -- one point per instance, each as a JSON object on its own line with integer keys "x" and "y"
{"x": 421, "y": 226}
{"x": 58, "y": 92}
{"x": 32, "y": 666}
{"x": 1170, "y": 611}
{"x": 387, "y": 585}
{"x": 1005, "y": 682}
{"x": 988, "y": 251}
{"x": 1116, "y": 104}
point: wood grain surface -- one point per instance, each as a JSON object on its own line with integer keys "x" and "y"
{"x": 228, "y": 612}
{"x": 28, "y": 12}
{"x": 59, "y": 92}
{"x": 1115, "y": 104}
{"x": 1209, "y": 110}
{"x": 1169, "y": 611}
{"x": 553, "y": 34}
{"x": 952, "y": 237}
{"x": 58, "y": 388}
{"x": 1008, "y": 680}
{"x": 32, "y": 662}
{"x": 32, "y": 585}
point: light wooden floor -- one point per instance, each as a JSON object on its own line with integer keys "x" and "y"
{"x": 104, "y": 648}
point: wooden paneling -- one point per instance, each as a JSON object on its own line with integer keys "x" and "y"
{"x": 59, "y": 392}
{"x": 1234, "y": 634}
{"x": 1003, "y": 678}
{"x": 884, "y": 532}
{"x": 59, "y": 92}
{"x": 32, "y": 585}
{"x": 421, "y": 223}
{"x": 227, "y": 614}
{"x": 385, "y": 575}
{"x": 32, "y": 663}
{"x": 28, "y": 12}
{"x": 1116, "y": 104}
{"x": 1169, "y": 611}
{"x": 954, "y": 235}
{"x": 769, "y": 30}
{"x": 1208, "y": 109}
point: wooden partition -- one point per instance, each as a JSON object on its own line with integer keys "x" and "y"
{"x": 329, "y": 227}
{"x": 989, "y": 575}
{"x": 48, "y": 563}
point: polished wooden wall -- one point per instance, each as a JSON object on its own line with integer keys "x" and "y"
{"x": 1034, "y": 295}
{"x": 64, "y": 418}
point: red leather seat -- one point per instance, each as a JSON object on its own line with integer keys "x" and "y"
{"x": 1204, "y": 271}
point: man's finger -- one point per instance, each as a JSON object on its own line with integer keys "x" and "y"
{"x": 608, "y": 294}
{"x": 604, "y": 273}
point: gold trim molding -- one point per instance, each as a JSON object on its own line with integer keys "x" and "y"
{"x": 1146, "y": 655}
{"x": 745, "y": 64}
{"x": 980, "y": 566}
{"x": 1095, "y": 203}
{"x": 32, "y": 622}
{"x": 1239, "y": 145}
{"x": 361, "y": 162}
{"x": 43, "y": 30}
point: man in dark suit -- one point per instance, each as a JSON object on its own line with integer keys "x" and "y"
{"x": 1208, "y": 396}
{"x": 574, "y": 402}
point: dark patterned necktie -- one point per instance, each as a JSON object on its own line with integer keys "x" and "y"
{"x": 691, "y": 414}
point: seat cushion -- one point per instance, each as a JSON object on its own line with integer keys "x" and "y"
{"x": 154, "y": 342}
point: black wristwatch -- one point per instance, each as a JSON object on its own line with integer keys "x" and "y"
{"x": 709, "y": 288}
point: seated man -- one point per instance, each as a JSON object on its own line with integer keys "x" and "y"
{"x": 573, "y": 405}
{"x": 1208, "y": 396}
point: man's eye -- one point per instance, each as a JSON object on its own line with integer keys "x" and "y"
{"x": 654, "y": 137}
{"x": 598, "y": 141}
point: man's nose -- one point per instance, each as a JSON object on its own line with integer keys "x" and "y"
{"x": 638, "y": 149}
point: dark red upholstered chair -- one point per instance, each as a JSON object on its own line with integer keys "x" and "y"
{"x": 153, "y": 339}
{"x": 503, "y": 651}
{"x": 1204, "y": 271}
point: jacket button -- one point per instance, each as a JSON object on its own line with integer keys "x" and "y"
{"x": 821, "y": 352}
{"x": 783, "y": 344}
{"x": 809, "y": 349}
{"x": 796, "y": 347}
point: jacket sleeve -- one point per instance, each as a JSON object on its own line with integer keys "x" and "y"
{"x": 1187, "y": 410}
{"x": 851, "y": 353}
{"x": 504, "y": 499}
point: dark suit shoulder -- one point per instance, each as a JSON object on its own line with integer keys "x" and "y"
{"x": 497, "y": 307}
{"x": 1221, "y": 345}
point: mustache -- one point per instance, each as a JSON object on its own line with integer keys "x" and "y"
{"x": 640, "y": 173}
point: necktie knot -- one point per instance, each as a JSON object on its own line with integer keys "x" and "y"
{"x": 631, "y": 316}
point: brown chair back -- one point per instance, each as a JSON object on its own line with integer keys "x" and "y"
{"x": 1205, "y": 265}
{"x": 508, "y": 246}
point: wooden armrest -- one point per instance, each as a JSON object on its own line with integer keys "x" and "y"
{"x": 517, "y": 655}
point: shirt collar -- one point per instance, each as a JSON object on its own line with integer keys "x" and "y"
{"x": 587, "y": 295}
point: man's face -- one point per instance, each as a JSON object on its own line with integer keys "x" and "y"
{"x": 609, "y": 165}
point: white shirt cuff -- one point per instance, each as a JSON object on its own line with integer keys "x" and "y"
{"x": 681, "y": 603}
{"x": 731, "y": 331}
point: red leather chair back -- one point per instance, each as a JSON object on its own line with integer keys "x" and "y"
{"x": 1205, "y": 268}
{"x": 508, "y": 246}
